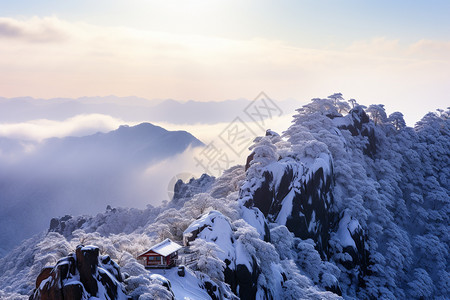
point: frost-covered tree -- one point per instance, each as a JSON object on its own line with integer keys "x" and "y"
{"x": 353, "y": 102}
{"x": 336, "y": 97}
{"x": 396, "y": 119}
{"x": 142, "y": 287}
{"x": 422, "y": 286}
{"x": 343, "y": 107}
{"x": 377, "y": 113}
{"x": 207, "y": 260}
{"x": 264, "y": 153}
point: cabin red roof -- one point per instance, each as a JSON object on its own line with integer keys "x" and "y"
{"x": 164, "y": 248}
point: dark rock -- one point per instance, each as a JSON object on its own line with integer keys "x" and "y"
{"x": 230, "y": 276}
{"x": 211, "y": 289}
{"x": 87, "y": 263}
{"x": 312, "y": 204}
{"x": 54, "y": 224}
{"x": 360, "y": 255}
{"x": 263, "y": 196}
{"x": 66, "y": 225}
{"x": 184, "y": 191}
{"x": 48, "y": 290}
{"x": 247, "y": 280}
{"x": 193, "y": 235}
{"x": 66, "y": 218}
{"x": 249, "y": 160}
{"x": 371, "y": 147}
{"x": 73, "y": 291}
{"x": 334, "y": 289}
{"x": 66, "y": 266}
{"x": 112, "y": 267}
{"x": 312, "y": 201}
{"x": 80, "y": 223}
{"x": 58, "y": 282}
{"x": 45, "y": 272}
{"x": 108, "y": 283}
{"x": 360, "y": 125}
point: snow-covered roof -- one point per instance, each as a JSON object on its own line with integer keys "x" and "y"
{"x": 164, "y": 248}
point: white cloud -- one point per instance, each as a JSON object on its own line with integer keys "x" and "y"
{"x": 79, "y": 125}
{"x": 33, "y": 30}
{"x": 155, "y": 183}
{"x": 376, "y": 46}
{"x": 434, "y": 50}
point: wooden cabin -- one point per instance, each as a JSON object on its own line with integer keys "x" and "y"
{"x": 162, "y": 255}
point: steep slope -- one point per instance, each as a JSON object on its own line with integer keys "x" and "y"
{"x": 370, "y": 222}
{"x": 292, "y": 193}
{"x": 234, "y": 253}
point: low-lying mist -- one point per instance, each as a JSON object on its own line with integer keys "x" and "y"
{"x": 52, "y": 168}
{"x": 128, "y": 167}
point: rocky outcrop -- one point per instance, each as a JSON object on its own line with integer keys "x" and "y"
{"x": 358, "y": 123}
{"x": 79, "y": 276}
{"x": 66, "y": 225}
{"x": 105, "y": 223}
{"x": 352, "y": 238}
{"x": 298, "y": 196}
{"x": 185, "y": 191}
{"x": 111, "y": 266}
{"x": 242, "y": 270}
{"x": 247, "y": 280}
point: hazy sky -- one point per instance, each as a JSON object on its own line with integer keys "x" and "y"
{"x": 391, "y": 52}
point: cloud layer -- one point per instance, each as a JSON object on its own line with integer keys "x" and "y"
{"x": 130, "y": 167}
{"x": 34, "y": 30}
{"x": 79, "y": 125}
{"x": 50, "y": 57}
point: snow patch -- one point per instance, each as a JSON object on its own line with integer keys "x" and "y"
{"x": 243, "y": 257}
{"x": 184, "y": 288}
{"x": 286, "y": 208}
{"x": 343, "y": 233}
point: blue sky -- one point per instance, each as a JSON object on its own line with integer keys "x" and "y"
{"x": 393, "y": 52}
{"x": 299, "y": 22}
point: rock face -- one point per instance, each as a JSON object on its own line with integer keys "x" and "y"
{"x": 242, "y": 270}
{"x": 66, "y": 225}
{"x": 79, "y": 276}
{"x": 298, "y": 196}
{"x": 353, "y": 240}
{"x": 184, "y": 191}
{"x": 297, "y": 190}
{"x": 357, "y": 122}
{"x": 105, "y": 223}
{"x": 246, "y": 279}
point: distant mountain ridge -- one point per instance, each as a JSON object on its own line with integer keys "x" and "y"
{"x": 71, "y": 175}
{"x": 24, "y": 109}
{"x": 142, "y": 143}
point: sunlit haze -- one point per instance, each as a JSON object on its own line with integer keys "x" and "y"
{"x": 383, "y": 52}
